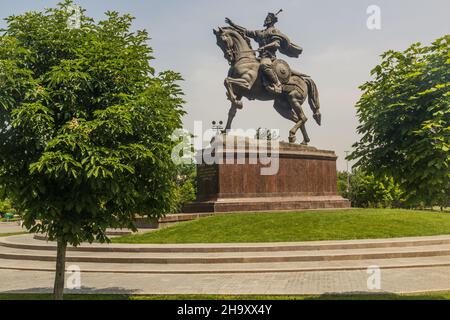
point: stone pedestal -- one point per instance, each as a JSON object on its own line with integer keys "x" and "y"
{"x": 306, "y": 179}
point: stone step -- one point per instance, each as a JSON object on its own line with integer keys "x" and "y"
{"x": 228, "y": 257}
{"x": 230, "y": 268}
{"x": 29, "y": 243}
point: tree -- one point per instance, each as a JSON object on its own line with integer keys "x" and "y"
{"x": 186, "y": 185}
{"x": 343, "y": 178}
{"x": 85, "y": 126}
{"x": 367, "y": 191}
{"x": 404, "y": 114}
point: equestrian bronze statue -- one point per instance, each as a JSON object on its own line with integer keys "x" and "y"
{"x": 265, "y": 77}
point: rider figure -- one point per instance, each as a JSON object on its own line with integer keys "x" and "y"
{"x": 269, "y": 40}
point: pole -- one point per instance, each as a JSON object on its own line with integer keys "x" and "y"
{"x": 348, "y": 173}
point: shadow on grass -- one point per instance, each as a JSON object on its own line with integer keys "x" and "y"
{"x": 380, "y": 296}
{"x": 85, "y": 293}
{"x": 123, "y": 294}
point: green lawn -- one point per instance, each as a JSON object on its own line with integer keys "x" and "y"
{"x": 419, "y": 296}
{"x": 11, "y": 234}
{"x": 9, "y": 220}
{"x": 300, "y": 226}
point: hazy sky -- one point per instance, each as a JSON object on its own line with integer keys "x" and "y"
{"x": 339, "y": 51}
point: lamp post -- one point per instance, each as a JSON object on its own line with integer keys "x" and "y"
{"x": 218, "y": 126}
{"x": 348, "y": 173}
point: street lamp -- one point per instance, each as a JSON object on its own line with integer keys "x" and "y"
{"x": 217, "y": 126}
{"x": 348, "y": 173}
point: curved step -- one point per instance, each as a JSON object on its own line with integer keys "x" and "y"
{"x": 229, "y": 257}
{"x": 286, "y": 267}
{"x": 25, "y": 253}
{"x": 28, "y": 243}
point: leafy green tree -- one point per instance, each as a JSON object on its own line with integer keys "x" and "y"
{"x": 342, "y": 182}
{"x": 186, "y": 185}
{"x": 6, "y": 208}
{"x": 367, "y": 191}
{"x": 405, "y": 121}
{"x": 85, "y": 126}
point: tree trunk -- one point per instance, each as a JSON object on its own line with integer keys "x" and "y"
{"x": 58, "y": 289}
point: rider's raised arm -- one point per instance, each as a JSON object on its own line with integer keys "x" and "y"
{"x": 252, "y": 34}
{"x": 248, "y": 33}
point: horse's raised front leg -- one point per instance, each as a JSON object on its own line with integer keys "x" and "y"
{"x": 229, "y": 82}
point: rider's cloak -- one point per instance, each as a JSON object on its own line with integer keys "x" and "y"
{"x": 286, "y": 46}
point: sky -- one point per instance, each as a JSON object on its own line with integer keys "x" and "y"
{"x": 339, "y": 51}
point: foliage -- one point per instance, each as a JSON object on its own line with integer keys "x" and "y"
{"x": 342, "y": 182}
{"x": 6, "y": 207}
{"x": 405, "y": 121}
{"x": 367, "y": 191}
{"x": 186, "y": 185}
{"x": 85, "y": 124}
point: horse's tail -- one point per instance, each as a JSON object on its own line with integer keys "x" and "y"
{"x": 313, "y": 98}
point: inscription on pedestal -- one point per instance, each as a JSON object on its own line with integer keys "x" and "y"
{"x": 207, "y": 181}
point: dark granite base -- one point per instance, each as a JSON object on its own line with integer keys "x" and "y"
{"x": 306, "y": 179}
{"x": 268, "y": 204}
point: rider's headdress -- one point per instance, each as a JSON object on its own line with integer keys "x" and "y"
{"x": 273, "y": 16}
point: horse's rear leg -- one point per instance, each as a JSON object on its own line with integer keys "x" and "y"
{"x": 296, "y": 101}
{"x": 293, "y": 133}
{"x": 306, "y": 139}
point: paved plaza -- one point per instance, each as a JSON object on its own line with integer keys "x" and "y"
{"x": 10, "y": 227}
{"x": 406, "y": 265}
{"x": 298, "y": 283}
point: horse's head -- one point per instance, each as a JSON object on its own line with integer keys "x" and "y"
{"x": 232, "y": 43}
{"x": 225, "y": 42}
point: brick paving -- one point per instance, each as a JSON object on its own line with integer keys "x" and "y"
{"x": 393, "y": 281}
{"x": 121, "y": 280}
{"x": 10, "y": 227}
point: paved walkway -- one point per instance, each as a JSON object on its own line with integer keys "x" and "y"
{"x": 393, "y": 281}
{"x": 309, "y": 275}
{"x": 10, "y": 227}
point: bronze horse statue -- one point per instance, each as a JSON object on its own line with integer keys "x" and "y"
{"x": 245, "y": 80}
